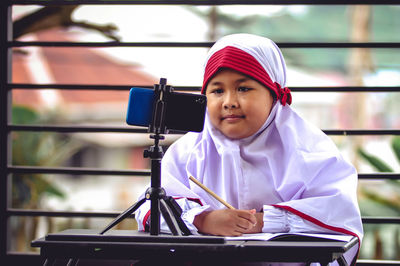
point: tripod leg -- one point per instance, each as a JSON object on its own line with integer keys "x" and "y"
{"x": 72, "y": 262}
{"x": 169, "y": 218}
{"x": 177, "y": 212}
{"x": 49, "y": 262}
{"x": 341, "y": 261}
{"x": 123, "y": 215}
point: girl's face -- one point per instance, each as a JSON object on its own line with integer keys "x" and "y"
{"x": 237, "y": 105}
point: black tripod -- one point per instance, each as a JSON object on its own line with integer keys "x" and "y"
{"x": 170, "y": 210}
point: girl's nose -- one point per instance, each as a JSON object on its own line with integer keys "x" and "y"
{"x": 230, "y": 101}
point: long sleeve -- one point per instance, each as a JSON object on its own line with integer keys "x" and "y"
{"x": 278, "y": 221}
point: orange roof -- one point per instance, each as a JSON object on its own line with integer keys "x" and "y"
{"x": 21, "y": 75}
{"x": 77, "y": 65}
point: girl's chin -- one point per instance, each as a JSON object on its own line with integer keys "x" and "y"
{"x": 234, "y": 135}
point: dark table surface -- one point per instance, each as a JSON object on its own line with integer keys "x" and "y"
{"x": 127, "y": 244}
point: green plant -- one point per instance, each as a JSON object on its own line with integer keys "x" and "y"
{"x": 36, "y": 149}
{"x": 386, "y": 203}
{"x": 378, "y": 164}
{"x": 381, "y": 200}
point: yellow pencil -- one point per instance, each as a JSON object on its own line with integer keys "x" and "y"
{"x": 197, "y": 182}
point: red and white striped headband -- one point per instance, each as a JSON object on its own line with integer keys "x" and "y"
{"x": 237, "y": 59}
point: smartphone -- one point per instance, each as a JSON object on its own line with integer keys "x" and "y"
{"x": 184, "y": 111}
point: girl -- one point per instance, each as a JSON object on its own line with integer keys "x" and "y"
{"x": 279, "y": 172}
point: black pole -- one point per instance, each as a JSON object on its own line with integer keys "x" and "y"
{"x": 155, "y": 193}
{"x": 155, "y": 153}
{"x": 5, "y": 118}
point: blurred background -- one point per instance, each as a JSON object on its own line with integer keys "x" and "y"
{"x": 144, "y": 66}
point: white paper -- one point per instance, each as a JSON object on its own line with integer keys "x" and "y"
{"x": 269, "y": 236}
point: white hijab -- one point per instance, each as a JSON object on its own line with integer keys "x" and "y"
{"x": 288, "y": 163}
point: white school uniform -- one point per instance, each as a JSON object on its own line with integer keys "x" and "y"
{"x": 289, "y": 169}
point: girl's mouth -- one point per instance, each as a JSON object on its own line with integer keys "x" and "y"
{"x": 232, "y": 118}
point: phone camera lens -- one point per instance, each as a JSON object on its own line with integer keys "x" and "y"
{"x": 200, "y": 100}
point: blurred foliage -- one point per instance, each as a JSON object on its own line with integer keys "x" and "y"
{"x": 377, "y": 163}
{"x": 382, "y": 200}
{"x": 36, "y": 149}
{"x": 57, "y": 16}
{"x": 388, "y": 196}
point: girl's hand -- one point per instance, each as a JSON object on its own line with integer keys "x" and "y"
{"x": 259, "y": 224}
{"x": 227, "y": 222}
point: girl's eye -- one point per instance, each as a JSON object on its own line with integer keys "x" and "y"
{"x": 244, "y": 89}
{"x": 217, "y": 91}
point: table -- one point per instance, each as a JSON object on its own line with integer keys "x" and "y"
{"x": 77, "y": 244}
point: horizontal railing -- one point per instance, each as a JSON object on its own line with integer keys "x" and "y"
{"x": 206, "y": 2}
{"x": 197, "y": 88}
{"x": 203, "y": 44}
{"x": 145, "y": 172}
{"x": 377, "y": 262}
{"x": 111, "y": 214}
{"x": 75, "y": 214}
{"x": 75, "y": 171}
{"x": 115, "y": 129}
